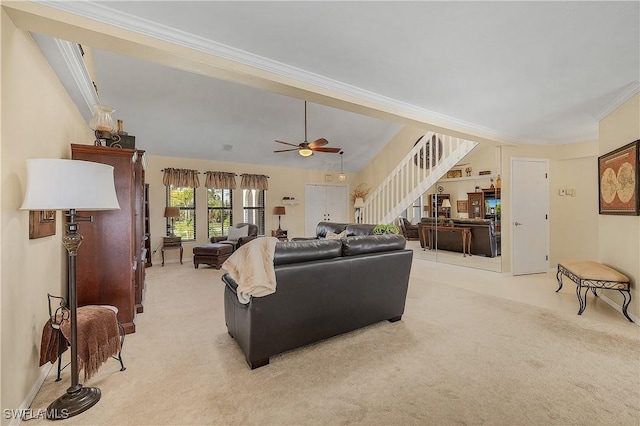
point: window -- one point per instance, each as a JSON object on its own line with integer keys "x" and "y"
{"x": 253, "y": 208}
{"x": 220, "y": 211}
{"x": 185, "y": 199}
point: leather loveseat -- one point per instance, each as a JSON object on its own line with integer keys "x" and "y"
{"x": 325, "y": 287}
{"x": 485, "y": 240}
{"x": 252, "y": 233}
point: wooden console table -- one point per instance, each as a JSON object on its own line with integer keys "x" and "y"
{"x": 169, "y": 243}
{"x": 464, "y": 231}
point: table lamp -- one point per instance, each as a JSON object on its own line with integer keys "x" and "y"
{"x": 171, "y": 212}
{"x": 71, "y": 185}
{"x": 279, "y": 210}
{"x": 446, "y": 205}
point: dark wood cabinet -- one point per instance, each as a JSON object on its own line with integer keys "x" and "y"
{"x": 110, "y": 269}
{"x": 436, "y": 208}
{"x": 147, "y": 229}
{"x": 485, "y": 204}
{"x": 476, "y": 205}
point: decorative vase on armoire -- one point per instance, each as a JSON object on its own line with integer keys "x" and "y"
{"x": 111, "y": 270}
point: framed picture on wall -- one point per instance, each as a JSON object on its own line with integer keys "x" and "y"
{"x": 42, "y": 223}
{"x": 619, "y": 181}
{"x": 452, "y": 174}
{"x": 463, "y": 206}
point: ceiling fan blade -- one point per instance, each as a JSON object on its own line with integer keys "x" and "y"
{"x": 335, "y": 150}
{"x": 286, "y": 150}
{"x": 286, "y": 143}
{"x": 318, "y": 142}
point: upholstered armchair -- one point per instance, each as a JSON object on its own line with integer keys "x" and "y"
{"x": 238, "y": 235}
{"x": 409, "y": 231}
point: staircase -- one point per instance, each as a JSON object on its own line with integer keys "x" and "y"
{"x": 415, "y": 174}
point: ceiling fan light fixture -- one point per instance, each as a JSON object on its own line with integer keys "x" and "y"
{"x": 305, "y": 152}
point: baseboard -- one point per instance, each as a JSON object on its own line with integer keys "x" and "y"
{"x": 617, "y": 307}
{"x": 28, "y": 400}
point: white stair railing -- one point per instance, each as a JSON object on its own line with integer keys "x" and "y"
{"x": 415, "y": 174}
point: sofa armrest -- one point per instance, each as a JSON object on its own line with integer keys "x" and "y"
{"x": 232, "y": 287}
{"x": 230, "y": 282}
{"x": 218, "y": 238}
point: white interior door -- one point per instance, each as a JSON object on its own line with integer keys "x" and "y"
{"x": 324, "y": 203}
{"x": 336, "y": 207}
{"x": 530, "y": 215}
{"x": 314, "y": 202}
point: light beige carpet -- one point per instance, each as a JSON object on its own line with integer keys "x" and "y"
{"x": 457, "y": 357}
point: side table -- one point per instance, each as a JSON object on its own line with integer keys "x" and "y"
{"x": 280, "y": 234}
{"x": 170, "y": 243}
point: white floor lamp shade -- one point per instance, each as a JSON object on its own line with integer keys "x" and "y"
{"x": 54, "y": 184}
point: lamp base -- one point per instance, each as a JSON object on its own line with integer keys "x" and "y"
{"x": 73, "y": 403}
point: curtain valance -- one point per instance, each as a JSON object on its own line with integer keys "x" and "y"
{"x": 181, "y": 178}
{"x": 220, "y": 180}
{"x": 254, "y": 182}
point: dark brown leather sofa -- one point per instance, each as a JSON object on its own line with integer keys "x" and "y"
{"x": 485, "y": 240}
{"x": 325, "y": 287}
{"x": 352, "y": 229}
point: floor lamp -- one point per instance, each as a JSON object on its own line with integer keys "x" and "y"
{"x": 358, "y": 204}
{"x": 71, "y": 185}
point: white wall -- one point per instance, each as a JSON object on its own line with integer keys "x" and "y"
{"x": 619, "y": 236}
{"x": 39, "y": 120}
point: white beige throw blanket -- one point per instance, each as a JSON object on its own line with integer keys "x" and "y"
{"x": 251, "y": 266}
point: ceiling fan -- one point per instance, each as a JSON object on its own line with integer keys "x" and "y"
{"x": 305, "y": 148}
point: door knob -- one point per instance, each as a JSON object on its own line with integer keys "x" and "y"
{"x": 517, "y": 223}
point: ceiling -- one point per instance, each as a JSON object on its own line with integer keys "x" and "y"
{"x": 516, "y": 72}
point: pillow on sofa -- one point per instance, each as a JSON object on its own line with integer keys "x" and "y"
{"x": 334, "y": 236}
{"x": 235, "y": 233}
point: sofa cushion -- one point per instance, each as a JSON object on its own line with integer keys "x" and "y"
{"x": 306, "y": 250}
{"x": 236, "y": 233}
{"x": 334, "y": 236}
{"x": 359, "y": 229}
{"x": 323, "y": 227}
{"x": 361, "y": 244}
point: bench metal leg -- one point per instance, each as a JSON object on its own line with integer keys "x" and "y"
{"x": 582, "y": 301}
{"x": 625, "y": 303}
{"x": 559, "y": 278}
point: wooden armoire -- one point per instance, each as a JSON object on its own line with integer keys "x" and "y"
{"x": 110, "y": 262}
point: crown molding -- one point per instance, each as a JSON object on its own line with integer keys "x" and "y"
{"x": 629, "y": 91}
{"x": 72, "y": 56}
{"x": 128, "y": 22}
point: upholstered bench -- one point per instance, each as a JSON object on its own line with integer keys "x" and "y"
{"x": 213, "y": 254}
{"x": 593, "y": 275}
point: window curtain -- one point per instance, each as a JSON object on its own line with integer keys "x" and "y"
{"x": 181, "y": 178}
{"x": 254, "y": 182}
{"x": 220, "y": 180}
